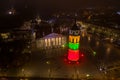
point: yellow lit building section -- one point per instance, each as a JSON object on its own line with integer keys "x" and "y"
{"x": 74, "y": 39}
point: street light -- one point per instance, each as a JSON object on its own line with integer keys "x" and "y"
{"x": 23, "y": 72}
{"x": 94, "y": 53}
{"x": 89, "y": 38}
{"x": 48, "y": 62}
{"x": 76, "y": 73}
{"x": 87, "y": 75}
{"x": 97, "y": 43}
{"x": 24, "y": 79}
{"x": 49, "y": 70}
{"x": 49, "y": 73}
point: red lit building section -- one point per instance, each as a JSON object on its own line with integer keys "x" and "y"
{"x": 73, "y": 55}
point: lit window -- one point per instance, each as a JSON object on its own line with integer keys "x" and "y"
{"x": 4, "y": 35}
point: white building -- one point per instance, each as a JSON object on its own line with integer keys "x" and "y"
{"x": 52, "y": 40}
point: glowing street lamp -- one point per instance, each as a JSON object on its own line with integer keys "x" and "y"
{"x": 49, "y": 70}
{"x": 87, "y": 75}
{"x": 94, "y": 53}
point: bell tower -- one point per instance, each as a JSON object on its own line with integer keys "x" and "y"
{"x": 74, "y": 43}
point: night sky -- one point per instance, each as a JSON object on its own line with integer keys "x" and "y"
{"x": 59, "y": 3}
{"x": 45, "y": 7}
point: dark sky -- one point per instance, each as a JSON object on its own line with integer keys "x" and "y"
{"x": 47, "y": 5}
{"x": 59, "y": 3}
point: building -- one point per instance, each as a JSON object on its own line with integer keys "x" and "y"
{"x": 52, "y": 40}
{"x": 74, "y": 43}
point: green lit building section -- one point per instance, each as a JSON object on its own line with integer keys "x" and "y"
{"x": 73, "y": 46}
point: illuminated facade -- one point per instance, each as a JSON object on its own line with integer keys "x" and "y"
{"x": 52, "y": 40}
{"x": 73, "y": 45}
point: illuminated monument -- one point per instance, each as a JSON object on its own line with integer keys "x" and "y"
{"x": 74, "y": 43}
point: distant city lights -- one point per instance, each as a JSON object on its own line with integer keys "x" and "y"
{"x": 87, "y": 75}
{"x": 94, "y": 53}
{"x": 10, "y": 12}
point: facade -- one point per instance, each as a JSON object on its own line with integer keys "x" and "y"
{"x": 74, "y": 43}
{"x": 52, "y": 40}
